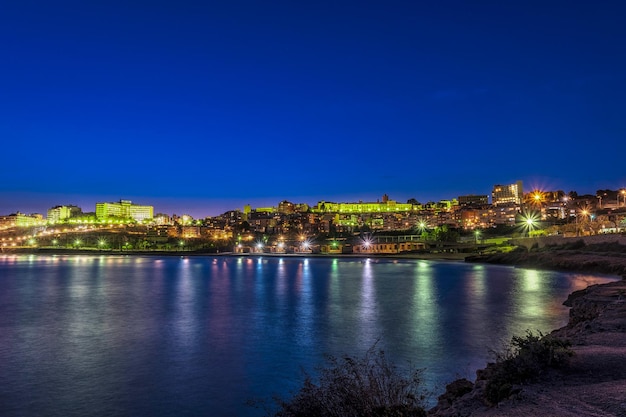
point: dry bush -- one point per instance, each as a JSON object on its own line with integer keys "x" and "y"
{"x": 524, "y": 359}
{"x": 367, "y": 386}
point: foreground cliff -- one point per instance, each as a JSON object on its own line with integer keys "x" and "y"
{"x": 592, "y": 383}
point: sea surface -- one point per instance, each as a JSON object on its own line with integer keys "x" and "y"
{"x": 200, "y": 336}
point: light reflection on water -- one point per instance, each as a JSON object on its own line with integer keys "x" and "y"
{"x": 200, "y": 335}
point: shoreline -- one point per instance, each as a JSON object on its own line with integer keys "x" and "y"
{"x": 559, "y": 260}
{"x": 97, "y": 252}
{"x": 591, "y": 384}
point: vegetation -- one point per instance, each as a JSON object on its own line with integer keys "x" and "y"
{"x": 367, "y": 386}
{"x": 523, "y": 359}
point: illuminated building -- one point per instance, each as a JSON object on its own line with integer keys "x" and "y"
{"x": 286, "y": 207}
{"x": 246, "y": 212}
{"x": 20, "y": 220}
{"x": 59, "y": 213}
{"x": 507, "y": 194}
{"x": 389, "y": 244}
{"x": 386, "y": 206}
{"x": 188, "y": 232}
{"x": 125, "y": 209}
{"x": 161, "y": 218}
{"x": 506, "y": 215}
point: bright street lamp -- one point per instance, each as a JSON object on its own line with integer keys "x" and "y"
{"x": 529, "y": 221}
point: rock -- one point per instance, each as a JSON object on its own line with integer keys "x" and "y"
{"x": 591, "y": 385}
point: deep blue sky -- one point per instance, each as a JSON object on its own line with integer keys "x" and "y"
{"x": 203, "y": 106}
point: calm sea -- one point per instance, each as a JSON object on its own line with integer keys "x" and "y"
{"x": 198, "y": 336}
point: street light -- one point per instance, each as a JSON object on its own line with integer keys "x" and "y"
{"x": 367, "y": 242}
{"x": 529, "y": 221}
{"x": 530, "y": 224}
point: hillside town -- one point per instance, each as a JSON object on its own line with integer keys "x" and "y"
{"x": 383, "y": 226}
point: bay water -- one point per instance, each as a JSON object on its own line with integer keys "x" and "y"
{"x": 200, "y": 336}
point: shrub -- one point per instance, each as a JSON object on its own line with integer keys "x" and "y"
{"x": 367, "y": 386}
{"x": 525, "y": 358}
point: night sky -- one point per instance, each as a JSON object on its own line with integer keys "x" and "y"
{"x": 200, "y": 107}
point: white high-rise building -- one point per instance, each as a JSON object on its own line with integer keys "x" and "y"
{"x": 507, "y": 194}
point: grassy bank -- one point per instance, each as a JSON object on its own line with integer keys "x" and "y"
{"x": 601, "y": 258}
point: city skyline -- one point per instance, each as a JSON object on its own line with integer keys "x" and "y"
{"x": 178, "y": 207}
{"x": 207, "y": 107}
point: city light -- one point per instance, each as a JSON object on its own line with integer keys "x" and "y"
{"x": 306, "y": 244}
{"x": 529, "y": 221}
{"x": 471, "y": 218}
{"x": 537, "y": 197}
{"x": 584, "y": 212}
{"x": 367, "y": 242}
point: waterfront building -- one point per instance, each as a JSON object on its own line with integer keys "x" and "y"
{"x": 124, "y": 209}
{"x": 389, "y": 244}
{"x": 507, "y": 194}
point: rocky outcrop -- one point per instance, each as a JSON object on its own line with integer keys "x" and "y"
{"x": 592, "y": 384}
